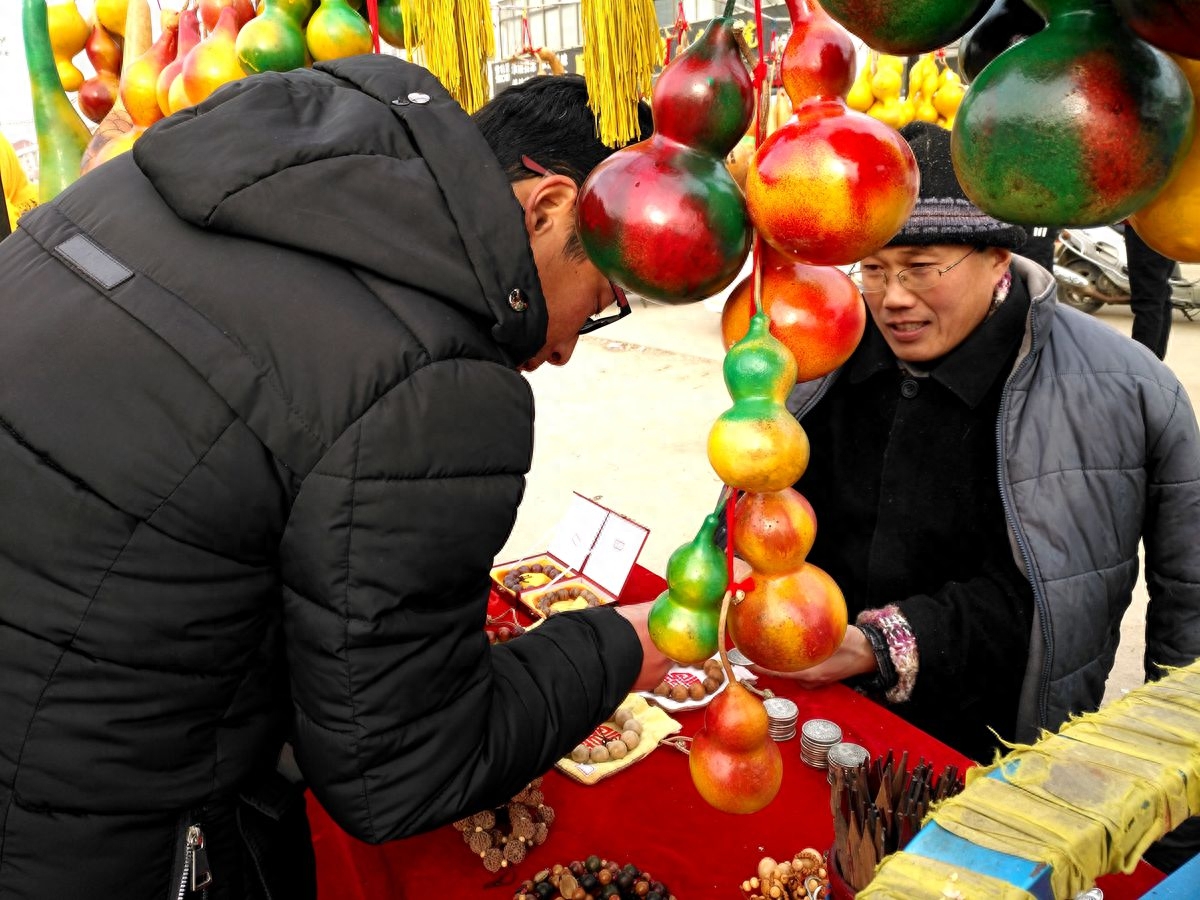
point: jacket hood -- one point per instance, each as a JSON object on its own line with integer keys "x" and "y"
{"x": 367, "y": 161}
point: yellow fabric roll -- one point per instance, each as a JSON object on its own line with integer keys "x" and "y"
{"x": 903, "y": 876}
{"x": 1087, "y": 801}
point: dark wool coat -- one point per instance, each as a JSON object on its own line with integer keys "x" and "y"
{"x": 260, "y": 439}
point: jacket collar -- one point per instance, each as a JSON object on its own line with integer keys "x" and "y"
{"x": 362, "y": 160}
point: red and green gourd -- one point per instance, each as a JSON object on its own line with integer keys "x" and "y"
{"x": 664, "y": 217}
{"x": 1080, "y": 124}
{"x": 907, "y": 27}
{"x": 61, "y": 134}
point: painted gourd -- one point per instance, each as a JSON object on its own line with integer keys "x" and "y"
{"x": 664, "y": 217}
{"x": 1080, "y": 124}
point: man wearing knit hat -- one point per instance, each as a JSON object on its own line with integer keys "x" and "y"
{"x": 983, "y": 469}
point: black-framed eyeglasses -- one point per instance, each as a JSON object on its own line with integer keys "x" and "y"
{"x": 619, "y": 297}
{"x": 915, "y": 278}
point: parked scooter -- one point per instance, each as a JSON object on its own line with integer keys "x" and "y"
{"x": 1091, "y": 270}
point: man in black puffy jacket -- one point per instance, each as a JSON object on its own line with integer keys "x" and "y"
{"x": 262, "y": 434}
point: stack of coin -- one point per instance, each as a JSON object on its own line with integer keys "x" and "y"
{"x": 782, "y": 715}
{"x": 848, "y": 756}
{"x": 738, "y": 658}
{"x": 816, "y": 737}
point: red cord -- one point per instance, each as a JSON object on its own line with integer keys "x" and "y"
{"x": 373, "y": 17}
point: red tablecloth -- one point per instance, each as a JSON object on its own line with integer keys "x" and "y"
{"x": 649, "y": 815}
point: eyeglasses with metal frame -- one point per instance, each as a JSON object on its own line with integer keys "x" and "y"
{"x": 915, "y": 278}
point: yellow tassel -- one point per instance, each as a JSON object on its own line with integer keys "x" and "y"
{"x": 620, "y": 51}
{"x": 456, "y": 42}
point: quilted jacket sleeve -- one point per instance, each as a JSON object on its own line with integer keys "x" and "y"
{"x": 404, "y": 717}
{"x": 1172, "y": 533}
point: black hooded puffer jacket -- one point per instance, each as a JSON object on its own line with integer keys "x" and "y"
{"x": 260, "y": 439}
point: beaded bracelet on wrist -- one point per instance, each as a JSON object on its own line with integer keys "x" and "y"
{"x": 902, "y": 648}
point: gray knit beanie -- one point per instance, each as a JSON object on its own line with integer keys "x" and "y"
{"x": 943, "y": 214}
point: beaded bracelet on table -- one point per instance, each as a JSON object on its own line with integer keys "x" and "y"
{"x": 504, "y": 835}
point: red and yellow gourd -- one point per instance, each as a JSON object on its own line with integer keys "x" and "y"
{"x": 832, "y": 185}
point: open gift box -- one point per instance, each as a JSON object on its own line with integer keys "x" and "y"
{"x": 590, "y": 555}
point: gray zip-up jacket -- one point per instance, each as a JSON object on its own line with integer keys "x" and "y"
{"x": 1096, "y": 448}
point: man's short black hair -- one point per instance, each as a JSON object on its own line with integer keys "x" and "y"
{"x": 547, "y": 119}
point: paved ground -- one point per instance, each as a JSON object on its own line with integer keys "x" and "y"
{"x": 626, "y": 422}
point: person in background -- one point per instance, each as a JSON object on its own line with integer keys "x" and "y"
{"x": 1149, "y": 292}
{"x": 262, "y": 434}
{"x": 20, "y": 195}
{"x": 983, "y": 469}
{"x": 1039, "y": 246}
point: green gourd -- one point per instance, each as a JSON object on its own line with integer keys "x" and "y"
{"x": 272, "y": 41}
{"x": 757, "y": 445}
{"x": 336, "y": 30}
{"x": 683, "y": 620}
{"x": 62, "y": 136}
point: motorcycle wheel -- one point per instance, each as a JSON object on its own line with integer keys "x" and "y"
{"x": 1070, "y": 296}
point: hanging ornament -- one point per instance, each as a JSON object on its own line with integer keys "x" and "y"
{"x": 907, "y": 27}
{"x": 1008, "y": 22}
{"x": 1170, "y": 223}
{"x": 456, "y": 41}
{"x": 1080, "y": 124}
{"x": 664, "y": 217}
{"x": 816, "y": 311}
{"x": 1172, "y": 25}
{"x": 832, "y": 185}
{"x": 620, "y": 52}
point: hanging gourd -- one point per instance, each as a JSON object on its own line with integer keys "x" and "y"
{"x": 907, "y": 27}
{"x": 1172, "y": 25}
{"x": 98, "y": 93}
{"x": 833, "y": 184}
{"x": 1008, "y": 22}
{"x": 757, "y": 445}
{"x": 273, "y": 41}
{"x": 683, "y": 620}
{"x": 61, "y": 134}
{"x": 816, "y": 311}
{"x": 664, "y": 217}
{"x": 1170, "y": 223}
{"x": 1080, "y": 124}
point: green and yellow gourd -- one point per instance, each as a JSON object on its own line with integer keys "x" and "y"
{"x": 61, "y": 134}
{"x": 683, "y": 621}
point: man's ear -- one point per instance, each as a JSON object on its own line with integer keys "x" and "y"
{"x": 1001, "y": 259}
{"x": 551, "y": 204}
